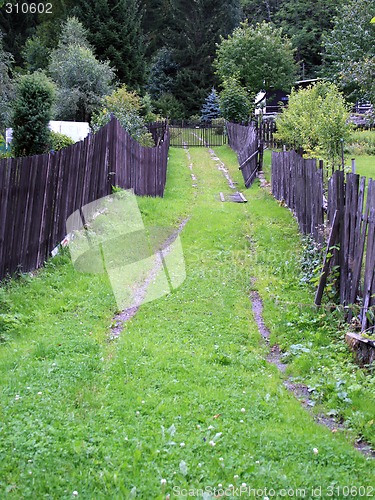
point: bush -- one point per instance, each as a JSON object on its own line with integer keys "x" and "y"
{"x": 32, "y": 107}
{"x": 60, "y": 141}
{"x": 236, "y": 104}
{"x": 361, "y": 143}
{"x": 126, "y": 106}
{"x": 169, "y": 107}
{"x": 315, "y": 120}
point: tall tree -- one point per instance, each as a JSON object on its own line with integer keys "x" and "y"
{"x": 155, "y": 19}
{"x": 16, "y": 28}
{"x": 6, "y": 86}
{"x": 81, "y": 79}
{"x": 305, "y": 22}
{"x": 349, "y": 57}
{"x": 162, "y": 73}
{"x": 260, "y": 57}
{"x": 194, "y": 30}
{"x": 115, "y": 31}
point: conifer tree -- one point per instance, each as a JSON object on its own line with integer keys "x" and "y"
{"x": 194, "y": 29}
{"x": 32, "y": 110}
{"x": 211, "y": 107}
{"x": 114, "y": 28}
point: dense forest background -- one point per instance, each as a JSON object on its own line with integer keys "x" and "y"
{"x": 166, "y": 47}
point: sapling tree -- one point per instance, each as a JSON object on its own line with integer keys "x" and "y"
{"x": 316, "y": 120}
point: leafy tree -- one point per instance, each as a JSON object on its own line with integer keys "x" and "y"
{"x": 349, "y": 58}
{"x": 6, "y": 85}
{"x": 35, "y": 54}
{"x": 45, "y": 38}
{"x": 236, "y": 104}
{"x": 32, "y": 110}
{"x": 260, "y": 56}
{"x": 316, "y": 120}
{"x": 126, "y": 106}
{"x": 115, "y": 32}
{"x": 211, "y": 107}
{"x": 81, "y": 79}
{"x": 193, "y": 31}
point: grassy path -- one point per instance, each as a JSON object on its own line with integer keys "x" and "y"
{"x": 184, "y": 399}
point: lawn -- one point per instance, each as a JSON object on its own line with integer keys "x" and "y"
{"x": 365, "y": 165}
{"x": 184, "y": 400}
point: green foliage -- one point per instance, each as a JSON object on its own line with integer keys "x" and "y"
{"x": 162, "y": 73}
{"x": 260, "y": 56}
{"x": 6, "y": 85}
{"x": 81, "y": 79}
{"x": 60, "y": 141}
{"x": 362, "y": 143}
{"x": 349, "y": 50}
{"x": 35, "y": 54}
{"x": 316, "y": 120}
{"x": 169, "y": 107}
{"x": 32, "y": 109}
{"x": 114, "y": 29}
{"x": 211, "y": 107}
{"x": 4, "y": 151}
{"x": 147, "y": 109}
{"x": 236, "y": 104}
{"x": 194, "y": 29}
{"x": 305, "y": 22}
{"x": 126, "y": 106}
{"x": 17, "y": 28}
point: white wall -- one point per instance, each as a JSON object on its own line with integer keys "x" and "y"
{"x": 75, "y": 130}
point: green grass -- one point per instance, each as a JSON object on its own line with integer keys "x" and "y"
{"x": 365, "y": 165}
{"x": 112, "y": 419}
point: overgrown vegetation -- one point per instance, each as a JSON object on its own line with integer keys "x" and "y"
{"x": 126, "y": 106}
{"x": 60, "y": 141}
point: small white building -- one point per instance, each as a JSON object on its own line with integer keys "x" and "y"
{"x": 75, "y": 130}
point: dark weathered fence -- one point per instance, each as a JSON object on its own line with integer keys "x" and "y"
{"x": 38, "y": 193}
{"x": 243, "y": 139}
{"x": 299, "y": 183}
{"x": 350, "y": 216}
{"x": 266, "y": 133}
{"x": 185, "y": 133}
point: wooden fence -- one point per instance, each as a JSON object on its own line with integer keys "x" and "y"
{"x": 38, "y": 193}
{"x": 243, "y": 139}
{"x": 266, "y": 133}
{"x": 299, "y": 183}
{"x": 349, "y": 213}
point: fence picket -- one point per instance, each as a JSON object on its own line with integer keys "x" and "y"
{"x": 37, "y": 194}
{"x": 299, "y": 183}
